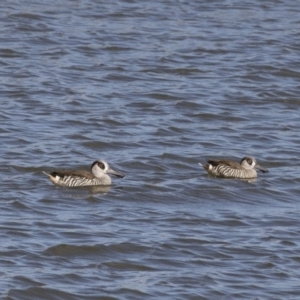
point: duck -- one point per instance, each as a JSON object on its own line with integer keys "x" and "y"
{"x": 246, "y": 169}
{"x": 98, "y": 175}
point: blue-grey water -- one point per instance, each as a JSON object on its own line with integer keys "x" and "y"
{"x": 152, "y": 87}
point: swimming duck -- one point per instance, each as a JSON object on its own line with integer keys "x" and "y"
{"x": 232, "y": 169}
{"x": 97, "y": 176}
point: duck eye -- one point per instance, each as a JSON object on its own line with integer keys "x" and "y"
{"x": 249, "y": 161}
{"x": 101, "y": 165}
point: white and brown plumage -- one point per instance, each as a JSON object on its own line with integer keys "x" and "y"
{"x": 232, "y": 169}
{"x": 97, "y": 176}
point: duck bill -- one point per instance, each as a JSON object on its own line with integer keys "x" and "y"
{"x": 261, "y": 168}
{"x": 113, "y": 172}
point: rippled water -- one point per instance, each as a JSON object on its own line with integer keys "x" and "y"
{"x": 152, "y": 87}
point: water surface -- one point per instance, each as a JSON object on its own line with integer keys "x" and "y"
{"x": 153, "y": 88}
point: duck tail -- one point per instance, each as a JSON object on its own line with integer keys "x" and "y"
{"x": 205, "y": 167}
{"x": 47, "y": 174}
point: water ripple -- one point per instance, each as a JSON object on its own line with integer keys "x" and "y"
{"x": 154, "y": 89}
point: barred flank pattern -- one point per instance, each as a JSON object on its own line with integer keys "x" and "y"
{"x": 79, "y": 181}
{"x": 227, "y": 171}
